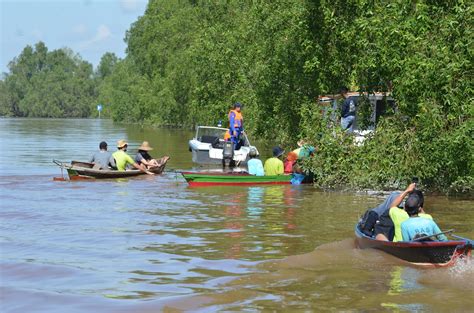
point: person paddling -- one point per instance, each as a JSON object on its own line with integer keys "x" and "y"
{"x": 122, "y": 159}
{"x": 143, "y": 157}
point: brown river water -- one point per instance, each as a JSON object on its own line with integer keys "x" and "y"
{"x": 153, "y": 244}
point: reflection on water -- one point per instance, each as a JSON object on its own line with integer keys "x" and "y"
{"x": 254, "y": 202}
{"x": 106, "y": 246}
{"x": 403, "y": 280}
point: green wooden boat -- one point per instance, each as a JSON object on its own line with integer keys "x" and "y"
{"x": 233, "y": 179}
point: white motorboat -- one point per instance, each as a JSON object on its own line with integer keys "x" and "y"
{"x": 207, "y": 146}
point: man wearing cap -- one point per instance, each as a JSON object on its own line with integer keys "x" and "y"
{"x": 388, "y": 227}
{"x": 254, "y": 165}
{"x": 122, "y": 158}
{"x": 236, "y": 124}
{"x": 102, "y": 158}
{"x": 274, "y": 166}
{"x": 417, "y": 225}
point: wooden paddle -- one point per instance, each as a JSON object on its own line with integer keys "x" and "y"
{"x": 435, "y": 235}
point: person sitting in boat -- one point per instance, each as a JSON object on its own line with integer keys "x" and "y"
{"x": 389, "y": 226}
{"x": 417, "y": 226}
{"x": 122, "y": 159}
{"x": 102, "y": 158}
{"x": 274, "y": 166}
{"x": 398, "y": 215}
{"x": 236, "y": 125}
{"x": 254, "y": 165}
{"x": 290, "y": 162}
{"x": 377, "y": 220}
{"x": 143, "y": 157}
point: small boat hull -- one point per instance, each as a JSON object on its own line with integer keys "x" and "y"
{"x": 233, "y": 179}
{"x": 424, "y": 254}
{"x": 83, "y": 171}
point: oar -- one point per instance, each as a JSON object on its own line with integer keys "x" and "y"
{"x": 470, "y": 241}
{"x": 435, "y": 235}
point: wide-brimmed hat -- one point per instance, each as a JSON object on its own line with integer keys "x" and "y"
{"x": 145, "y": 146}
{"x": 121, "y": 143}
{"x": 277, "y": 151}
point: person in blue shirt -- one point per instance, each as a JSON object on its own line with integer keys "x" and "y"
{"x": 255, "y": 166}
{"x": 103, "y": 158}
{"x": 415, "y": 226}
{"x": 348, "y": 111}
{"x": 236, "y": 125}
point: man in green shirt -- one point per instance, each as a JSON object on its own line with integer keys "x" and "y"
{"x": 398, "y": 215}
{"x": 122, "y": 159}
{"x": 274, "y": 166}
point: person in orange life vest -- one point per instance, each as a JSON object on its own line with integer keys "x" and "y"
{"x": 289, "y": 162}
{"x": 236, "y": 124}
{"x": 227, "y": 135}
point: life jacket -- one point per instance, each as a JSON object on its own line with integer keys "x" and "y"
{"x": 238, "y": 119}
{"x": 227, "y": 135}
{"x": 290, "y": 162}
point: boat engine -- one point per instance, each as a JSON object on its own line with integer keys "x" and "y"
{"x": 228, "y": 150}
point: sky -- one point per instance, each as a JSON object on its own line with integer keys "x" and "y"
{"x": 88, "y": 27}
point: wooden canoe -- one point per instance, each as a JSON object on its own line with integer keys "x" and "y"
{"x": 233, "y": 179}
{"x": 424, "y": 254}
{"x": 82, "y": 170}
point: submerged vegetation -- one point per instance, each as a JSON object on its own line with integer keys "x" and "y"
{"x": 188, "y": 61}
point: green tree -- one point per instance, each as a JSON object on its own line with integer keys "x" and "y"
{"x": 107, "y": 64}
{"x": 44, "y": 83}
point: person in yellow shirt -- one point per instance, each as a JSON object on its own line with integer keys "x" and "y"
{"x": 414, "y": 202}
{"x": 122, "y": 159}
{"x": 274, "y": 166}
{"x": 398, "y": 215}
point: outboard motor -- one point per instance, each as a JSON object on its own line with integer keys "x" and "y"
{"x": 228, "y": 150}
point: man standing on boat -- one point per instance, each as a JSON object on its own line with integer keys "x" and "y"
{"x": 236, "y": 124}
{"x": 122, "y": 159}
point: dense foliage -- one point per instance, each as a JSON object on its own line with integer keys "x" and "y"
{"x": 191, "y": 60}
{"x": 188, "y": 61}
{"x": 425, "y": 49}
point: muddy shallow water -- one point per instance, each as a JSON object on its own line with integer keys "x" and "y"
{"x": 151, "y": 244}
